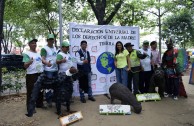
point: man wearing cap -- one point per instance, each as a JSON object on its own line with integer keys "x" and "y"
{"x": 65, "y": 88}
{"x": 146, "y": 73}
{"x": 84, "y": 67}
{"x": 172, "y": 76}
{"x": 133, "y": 74}
{"x": 49, "y": 54}
{"x": 34, "y": 67}
{"x": 63, "y": 58}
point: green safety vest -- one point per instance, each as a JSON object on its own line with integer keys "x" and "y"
{"x": 135, "y": 61}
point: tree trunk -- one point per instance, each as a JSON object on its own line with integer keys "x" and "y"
{"x": 159, "y": 25}
{"x": 99, "y": 10}
{"x": 2, "y": 6}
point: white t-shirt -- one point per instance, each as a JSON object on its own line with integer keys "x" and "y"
{"x": 37, "y": 65}
{"x": 68, "y": 64}
{"x": 146, "y": 63}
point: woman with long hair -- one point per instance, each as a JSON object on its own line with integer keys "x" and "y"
{"x": 122, "y": 63}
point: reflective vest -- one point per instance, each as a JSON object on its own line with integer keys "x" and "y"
{"x": 135, "y": 61}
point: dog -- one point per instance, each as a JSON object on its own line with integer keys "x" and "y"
{"x": 157, "y": 80}
{"x": 122, "y": 93}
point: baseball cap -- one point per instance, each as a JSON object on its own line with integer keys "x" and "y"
{"x": 50, "y": 36}
{"x": 128, "y": 44}
{"x": 65, "y": 43}
{"x": 32, "y": 39}
{"x": 145, "y": 42}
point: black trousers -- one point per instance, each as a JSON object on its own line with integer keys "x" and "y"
{"x": 172, "y": 86}
{"x": 133, "y": 78}
{"x": 30, "y": 80}
{"x": 145, "y": 77}
{"x": 42, "y": 83}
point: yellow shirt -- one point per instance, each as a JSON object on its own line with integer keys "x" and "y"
{"x": 121, "y": 59}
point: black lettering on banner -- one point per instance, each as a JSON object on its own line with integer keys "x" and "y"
{"x": 76, "y": 29}
{"x": 97, "y": 37}
{"x": 132, "y": 37}
{"x": 98, "y": 31}
{"x": 76, "y": 36}
{"x": 116, "y": 31}
{"x": 110, "y": 37}
{"x": 106, "y": 43}
{"x": 128, "y": 37}
{"x": 133, "y": 32}
{"x": 117, "y": 37}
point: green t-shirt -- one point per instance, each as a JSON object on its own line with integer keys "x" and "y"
{"x": 26, "y": 58}
{"x": 121, "y": 59}
{"x": 59, "y": 57}
{"x": 43, "y": 52}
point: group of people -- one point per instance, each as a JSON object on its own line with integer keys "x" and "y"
{"x": 134, "y": 68}
{"x": 51, "y": 63}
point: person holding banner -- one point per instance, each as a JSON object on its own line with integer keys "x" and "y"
{"x": 133, "y": 74}
{"x": 84, "y": 68}
{"x": 122, "y": 63}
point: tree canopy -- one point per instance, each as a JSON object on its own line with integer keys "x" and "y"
{"x": 180, "y": 26}
{"x": 25, "y": 19}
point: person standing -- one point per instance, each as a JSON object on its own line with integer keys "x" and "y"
{"x": 133, "y": 74}
{"x": 66, "y": 69}
{"x": 122, "y": 63}
{"x": 64, "y": 59}
{"x": 84, "y": 68}
{"x": 146, "y": 73}
{"x": 48, "y": 54}
{"x": 156, "y": 61}
{"x": 34, "y": 67}
{"x": 169, "y": 63}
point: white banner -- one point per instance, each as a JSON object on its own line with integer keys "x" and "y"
{"x": 101, "y": 40}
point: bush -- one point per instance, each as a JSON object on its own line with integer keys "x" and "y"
{"x": 12, "y": 80}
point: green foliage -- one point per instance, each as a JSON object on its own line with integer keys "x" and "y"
{"x": 12, "y": 80}
{"x": 131, "y": 13}
{"x": 180, "y": 26}
{"x": 192, "y": 59}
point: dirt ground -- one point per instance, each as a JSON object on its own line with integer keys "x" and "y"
{"x": 166, "y": 112}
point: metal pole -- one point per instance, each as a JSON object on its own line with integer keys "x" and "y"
{"x": 2, "y": 6}
{"x": 60, "y": 23}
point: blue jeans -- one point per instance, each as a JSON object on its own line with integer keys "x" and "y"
{"x": 122, "y": 76}
{"x": 89, "y": 87}
{"x": 48, "y": 96}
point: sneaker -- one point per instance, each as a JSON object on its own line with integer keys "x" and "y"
{"x": 175, "y": 98}
{"x": 166, "y": 95}
{"x": 83, "y": 100}
{"x": 91, "y": 99}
